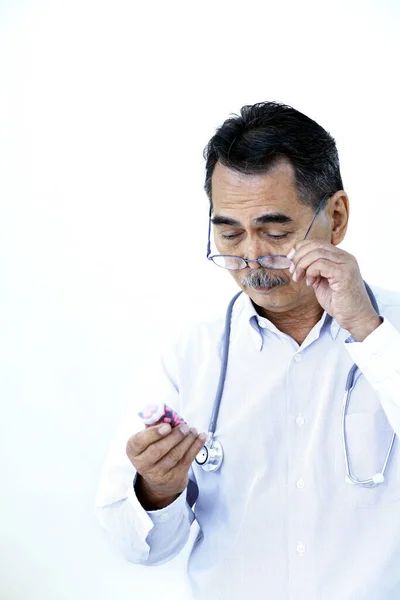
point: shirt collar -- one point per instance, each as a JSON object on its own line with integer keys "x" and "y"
{"x": 261, "y": 325}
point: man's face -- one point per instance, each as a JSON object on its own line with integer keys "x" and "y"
{"x": 245, "y": 198}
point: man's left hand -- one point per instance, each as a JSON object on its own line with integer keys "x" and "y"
{"x": 336, "y": 279}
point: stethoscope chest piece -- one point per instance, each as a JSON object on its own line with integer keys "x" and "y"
{"x": 210, "y": 456}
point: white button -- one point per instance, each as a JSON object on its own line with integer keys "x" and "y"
{"x": 164, "y": 516}
{"x": 298, "y": 357}
{"x": 300, "y": 484}
{"x": 300, "y": 421}
{"x": 262, "y": 324}
{"x": 301, "y": 548}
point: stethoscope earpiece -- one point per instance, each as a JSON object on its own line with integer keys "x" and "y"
{"x": 372, "y": 482}
{"x": 378, "y": 478}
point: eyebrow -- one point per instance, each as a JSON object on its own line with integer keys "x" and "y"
{"x": 262, "y": 220}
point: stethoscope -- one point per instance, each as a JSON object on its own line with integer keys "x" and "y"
{"x": 211, "y": 456}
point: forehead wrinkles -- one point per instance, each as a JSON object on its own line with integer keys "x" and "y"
{"x": 247, "y": 210}
{"x": 274, "y": 191}
{"x": 246, "y": 190}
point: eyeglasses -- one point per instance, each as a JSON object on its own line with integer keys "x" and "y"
{"x": 272, "y": 261}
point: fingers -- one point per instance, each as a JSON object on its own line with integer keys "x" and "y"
{"x": 156, "y": 455}
{"x": 303, "y": 248}
{"x": 302, "y": 265}
{"x": 322, "y": 268}
{"x": 183, "y": 454}
{"x": 139, "y": 442}
{"x": 313, "y": 280}
{"x": 193, "y": 451}
{"x": 312, "y": 252}
{"x": 160, "y": 452}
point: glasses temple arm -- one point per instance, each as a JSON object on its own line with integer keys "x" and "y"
{"x": 209, "y": 234}
{"x": 321, "y": 204}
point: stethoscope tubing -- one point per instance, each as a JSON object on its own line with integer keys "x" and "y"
{"x": 212, "y": 453}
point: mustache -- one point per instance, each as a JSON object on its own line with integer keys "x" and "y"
{"x": 261, "y": 278}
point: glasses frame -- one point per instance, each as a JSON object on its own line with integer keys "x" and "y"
{"x": 246, "y": 260}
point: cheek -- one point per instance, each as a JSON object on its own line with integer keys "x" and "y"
{"x": 220, "y": 246}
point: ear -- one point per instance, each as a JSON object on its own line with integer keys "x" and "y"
{"x": 338, "y": 213}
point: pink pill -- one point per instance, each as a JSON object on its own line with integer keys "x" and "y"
{"x": 153, "y": 414}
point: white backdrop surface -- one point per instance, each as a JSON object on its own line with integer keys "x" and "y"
{"x": 105, "y": 108}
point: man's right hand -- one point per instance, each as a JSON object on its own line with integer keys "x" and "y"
{"x": 162, "y": 459}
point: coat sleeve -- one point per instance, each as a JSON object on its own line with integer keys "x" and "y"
{"x": 144, "y": 537}
{"x": 378, "y": 358}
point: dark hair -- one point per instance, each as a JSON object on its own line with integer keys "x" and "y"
{"x": 264, "y": 133}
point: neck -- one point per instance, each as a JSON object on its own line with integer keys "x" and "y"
{"x": 296, "y": 322}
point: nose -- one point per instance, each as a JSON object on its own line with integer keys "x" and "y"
{"x": 254, "y": 265}
{"x": 254, "y": 251}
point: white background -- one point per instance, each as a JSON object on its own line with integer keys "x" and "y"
{"x": 105, "y": 108}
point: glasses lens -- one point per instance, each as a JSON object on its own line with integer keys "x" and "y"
{"x": 229, "y": 262}
{"x": 275, "y": 262}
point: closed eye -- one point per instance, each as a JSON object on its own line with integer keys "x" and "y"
{"x": 232, "y": 236}
{"x": 277, "y": 237}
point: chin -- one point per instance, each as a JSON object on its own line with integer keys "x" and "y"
{"x": 275, "y": 297}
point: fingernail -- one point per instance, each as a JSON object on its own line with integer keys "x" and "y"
{"x": 193, "y": 430}
{"x": 203, "y": 437}
{"x": 308, "y": 281}
{"x": 184, "y": 428}
{"x": 291, "y": 268}
{"x": 294, "y": 276}
{"x": 291, "y": 253}
{"x": 165, "y": 429}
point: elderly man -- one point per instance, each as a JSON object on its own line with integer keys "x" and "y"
{"x": 306, "y": 502}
